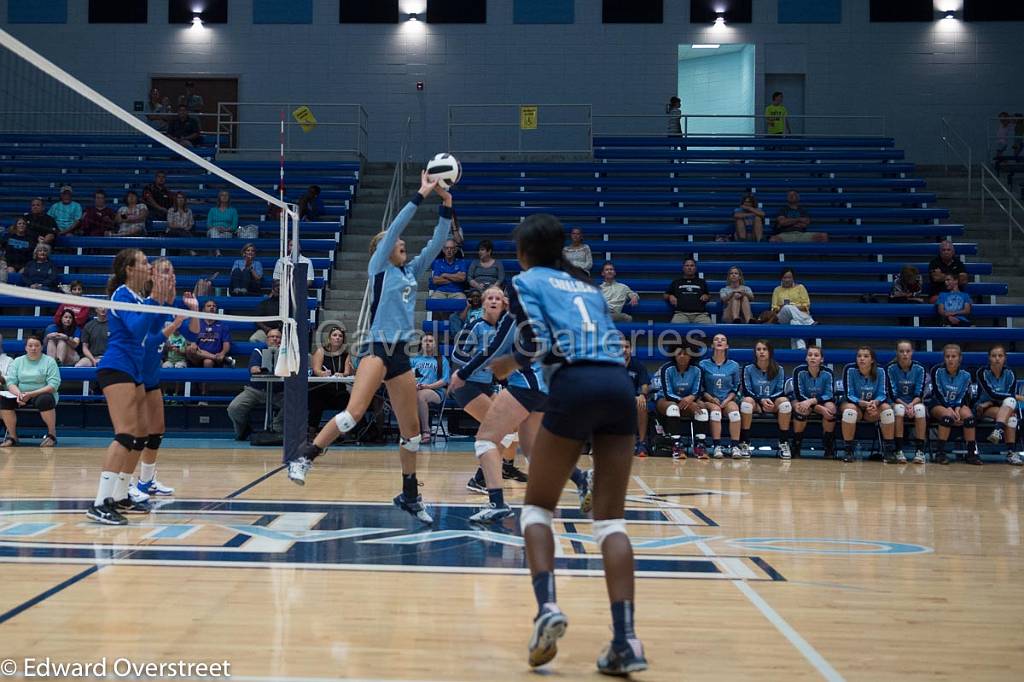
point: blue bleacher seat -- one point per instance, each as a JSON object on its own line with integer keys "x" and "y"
{"x": 149, "y": 244}
{"x": 689, "y": 230}
{"x": 572, "y": 211}
{"x": 703, "y": 249}
{"x": 705, "y": 169}
{"x": 777, "y": 199}
{"x": 719, "y": 141}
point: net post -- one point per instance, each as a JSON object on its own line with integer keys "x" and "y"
{"x": 296, "y": 386}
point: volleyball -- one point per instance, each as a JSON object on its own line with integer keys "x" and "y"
{"x": 444, "y": 168}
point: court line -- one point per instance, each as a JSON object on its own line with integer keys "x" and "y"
{"x": 250, "y": 486}
{"x": 812, "y": 656}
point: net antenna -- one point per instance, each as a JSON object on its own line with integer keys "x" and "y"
{"x": 289, "y": 219}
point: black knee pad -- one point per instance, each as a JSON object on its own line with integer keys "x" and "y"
{"x": 139, "y": 443}
{"x": 969, "y": 423}
{"x": 126, "y": 440}
{"x": 153, "y": 441}
{"x": 799, "y": 417}
{"x": 947, "y": 421}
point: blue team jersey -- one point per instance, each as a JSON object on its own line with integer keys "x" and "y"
{"x": 758, "y": 385}
{"x": 426, "y": 370}
{"x": 720, "y": 380}
{"x": 469, "y": 346}
{"x": 153, "y": 349}
{"x": 126, "y": 338}
{"x": 949, "y": 390}
{"x": 676, "y": 385}
{"x": 857, "y": 387}
{"x": 992, "y": 388}
{"x": 562, "y": 320}
{"x": 502, "y": 342}
{"x": 907, "y": 384}
{"x": 804, "y": 386}
{"x": 393, "y": 298}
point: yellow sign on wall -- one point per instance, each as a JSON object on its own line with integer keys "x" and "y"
{"x": 528, "y": 117}
{"x": 305, "y": 118}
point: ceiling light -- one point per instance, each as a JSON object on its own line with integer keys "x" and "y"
{"x": 707, "y": 46}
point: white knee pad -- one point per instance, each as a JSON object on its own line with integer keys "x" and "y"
{"x": 509, "y": 439}
{"x": 410, "y": 444}
{"x": 532, "y": 515}
{"x": 850, "y": 416}
{"x": 746, "y": 408}
{"x": 887, "y": 417}
{"x": 715, "y": 415}
{"x": 672, "y": 411}
{"x": 734, "y": 416}
{"x": 785, "y": 407}
{"x": 1011, "y": 403}
{"x": 900, "y": 410}
{"x": 482, "y": 447}
{"x": 344, "y": 421}
{"x": 920, "y": 411}
{"x": 606, "y": 528}
{"x": 702, "y": 415}
{"x": 1011, "y": 422}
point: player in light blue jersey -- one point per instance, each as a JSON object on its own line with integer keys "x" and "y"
{"x": 996, "y": 385}
{"x": 813, "y": 392}
{"x": 865, "y": 398}
{"x": 908, "y": 383}
{"x": 949, "y": 404}
{"x": 432, "y": 372}
{"x": 565, "y": 322}
{"x": 681, "y": 382}
{"x": 383, "y": 355}
{"x": 764, "y": 392}
{"x": 722, "y": 384}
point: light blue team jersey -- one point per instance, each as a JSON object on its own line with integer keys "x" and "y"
{"x": 393, "y": 298}
{"x": 425, "y": 367}
{"x": 502, "y": 342}
{"x": 907, "y": 384}
{"x": 676, "y": 385}
{"x": 992, "y": 388}
{"x": 758, "y": 385}
{"x": 720, "y": 380}
{"x": 857, "y": 387}
{"x": 562, "y": 320}
{"x": 949, "y": 390}
{"x": 126, "y": 338}
{"x": 469, "y": 345}
{"x": 804, "y": 386}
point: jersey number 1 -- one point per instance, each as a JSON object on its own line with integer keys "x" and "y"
{"x": 588, "y": 324}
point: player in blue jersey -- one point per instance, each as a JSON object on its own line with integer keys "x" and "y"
{"x": 908, "y": 383}
{"x": 383, "y": 355}
{"x": 432, "y": 372}
{"x": 996, "y": 385}
{"x": 813, "y": 392}
{"x": 680, "y": 395}
{"x": 866, "y": 398}
{"x": 949, "y": 404}
{"x": 721, "y": 395}
{"x": 764, "y": 392}
{"x": 119, "y": 376}
{"x": 565, "y": 322}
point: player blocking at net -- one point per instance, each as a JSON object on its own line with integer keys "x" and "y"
{"x": 383, "y": 356}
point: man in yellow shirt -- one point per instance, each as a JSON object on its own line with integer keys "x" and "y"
{"x": 777, "y": 116}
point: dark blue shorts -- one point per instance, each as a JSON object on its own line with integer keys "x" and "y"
{"x": 471, "y": 390}
{"x": 108, "y": 377}
{"x": 396, "y": 362}
{"x": 590, "y": 399}
{"x": 531, "y": 400}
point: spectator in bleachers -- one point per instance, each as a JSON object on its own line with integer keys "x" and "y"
{"x": 311, "y": 206}
{"x": 222, "y": 219}
{"x": 62, "y": 340}
{"x": 32, "y": 380}
{"x": 191, "y": 100}
{"x": 485, "y": 270}
{"x": 246, "y": 273}
{"x": 157, "y": 197}
{"x": 174, "y": 351}
{"x": 41, "y": 225}
{"x": 792, "y": 222}
{"x": 80, "y": 312}
{"x": 749, "y": 220}
{"x": 906, "y": 286}
{"x": 40, "y": 273}
{"x": 432, "y": 371}
{"x": 946, "y": 263}
{"x": 1018, "y": 133}
{"x": 776, "y": 116}
{"x": 688, "y": 296}
{"x": 254, "y": 396}
{"x": 131, "y": 218}
{"x": 456, "y": 236}
{"x": 472, "y": 312}
{"x": 791, "y": 304}
{"x": 158, "y": 110}
{"x": 5, "y": 363}
{"x": 17, "y": 245}
{"x": 736, "y": 298}
{"x": 94, "y": 339}
{"x": 448, "y": 274}
{"x": 184, "y": 129}
{"x": 180, "y": 220}
{"x": 1004, "y": 134}
{"x": 213, "y": 343}
{"x": 279, "y": 266}
{"x": 98, "y": 220}
{"x": 268, "y": 307}
{"x": 953, "y": 305}
{"x": 330, "y": 359}
{"x": 66, "y": 213}
{"x": 674, "y": 109}
{"x": 616, "y": 294}
{"x": 577, "y": 253}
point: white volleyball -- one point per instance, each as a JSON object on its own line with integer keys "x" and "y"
{"x": 444, "y": 168}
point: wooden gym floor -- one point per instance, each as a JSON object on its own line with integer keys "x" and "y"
{"x": 749, "y": 570}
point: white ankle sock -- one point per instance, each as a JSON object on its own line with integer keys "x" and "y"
{"x": 120, "y": 487}
{"x": 106, "y": 487}
{"x": 148, "y": 472}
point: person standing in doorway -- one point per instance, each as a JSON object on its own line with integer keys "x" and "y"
{"x": 776, "y": 116}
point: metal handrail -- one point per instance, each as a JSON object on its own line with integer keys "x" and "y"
{"x": 396, "y": 191}
{"x": 1003, "y": 197}
{"x": 685, "y": 119}
{"x": 511, "y": 122}
{"x": 950, "y": 138}
{"x": 231, "y": 119}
